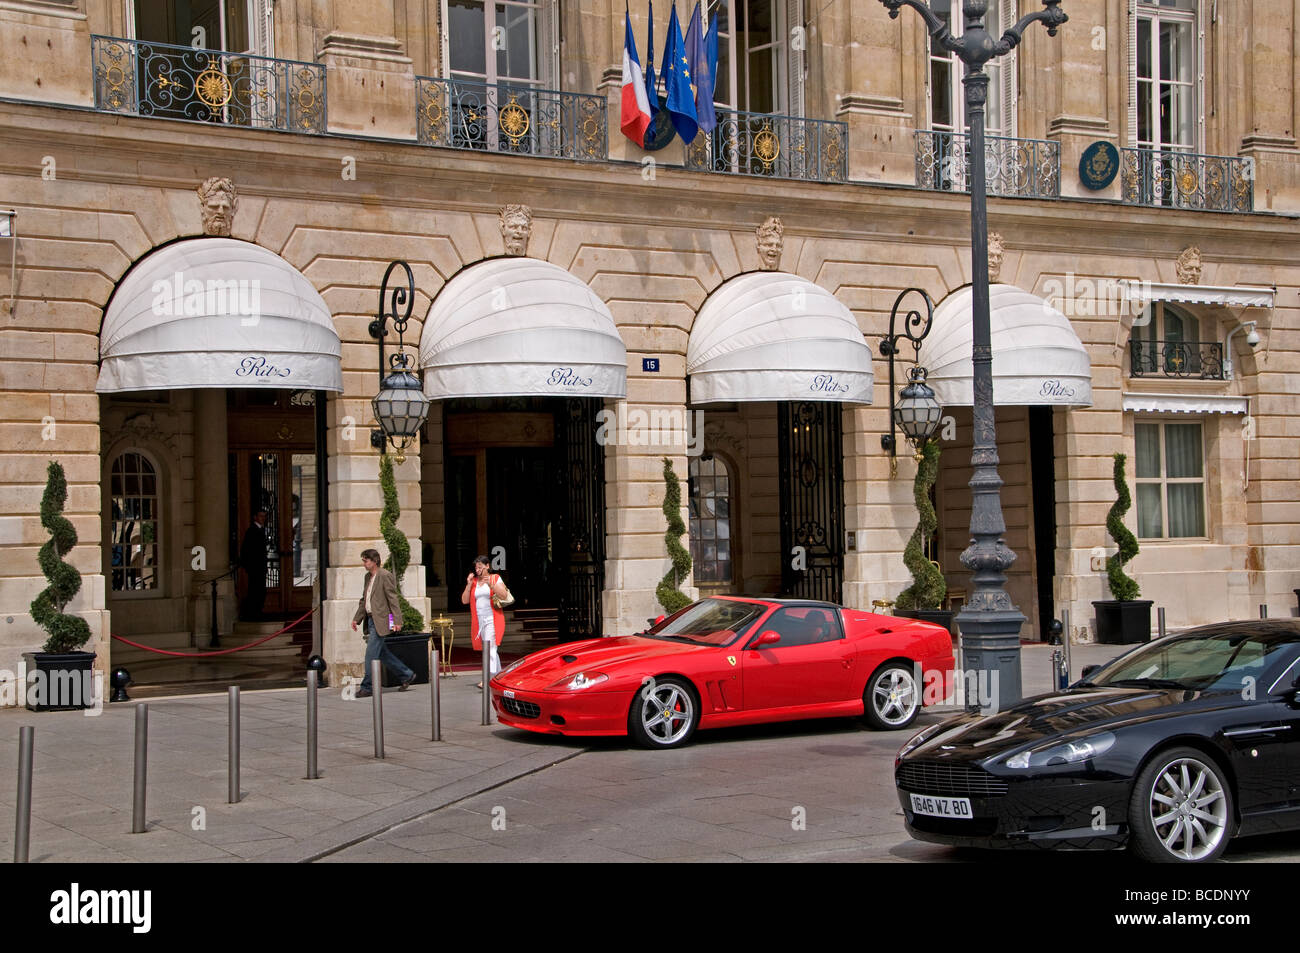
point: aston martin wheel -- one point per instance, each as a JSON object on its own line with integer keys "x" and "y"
{"x": 664, "y": 714}
{"x": 1180, "y": 809}
{"x": 892, "y": 698}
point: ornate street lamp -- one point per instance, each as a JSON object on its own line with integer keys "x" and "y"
{"x": 989, "y": 623}
{"x": 400, "y": 406}
{"x": 917, "y": 411}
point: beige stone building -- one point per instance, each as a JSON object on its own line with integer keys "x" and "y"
{"x": 205, "y": 198}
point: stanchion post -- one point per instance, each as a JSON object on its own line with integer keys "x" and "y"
{"x": 1263, "y": 610}
{"x": 487, "y": 688}
{"x": 1160, "y": 621}
{"x": 232, "y": 781}
{"x": 141, "y": 768}
{"x": 1065, "y": 643}
{"x": 377, "y": 703}
{"x": 312, "y": 769}
{"x": 435, "y": 692}
{"x": 23, "y": 811}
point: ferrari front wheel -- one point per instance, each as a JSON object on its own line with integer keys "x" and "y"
{"x": 664, "y": 713}
{"x": 892, "y": 698}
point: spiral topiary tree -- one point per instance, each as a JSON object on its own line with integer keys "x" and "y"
{"x": 928, "y": 586}
{"x": 669, "y": 596}
{"x": 68, "y": 633}
{"x": 1122, "y": 586}
{"x": 399, "y": 547}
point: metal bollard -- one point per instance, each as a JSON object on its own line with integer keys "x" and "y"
{"x": 141, "y": 768}
{"x": 23, "y": 812}
{"x": 1263, "y": 610}
{"x": 487, "y": 688}
{"x": 377, "y": 704}
{"x": 1066, "y": 658}
{"x": 232, "y": 780}
{"x": 435, "y": 692}
{"x": 312, "y": 680}
{"x": 1160, "y": 621}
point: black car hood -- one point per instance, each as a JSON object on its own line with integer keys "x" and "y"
{"x": 1047, "y": 717}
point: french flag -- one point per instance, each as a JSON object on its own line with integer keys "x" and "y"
{"x": 635, "y": 118}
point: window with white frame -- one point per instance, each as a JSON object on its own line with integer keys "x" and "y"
{"x": 1167, "y": 340}
{"x": 1165, "y": 81}
{"x": 760, "y": 63}
{"x": 946, "y": 94}
{"x": 133, "y": 528}
{"x": 710, "y": 530}
{"x": 237, "y": 26}
{"x": 500, "y": 41}
{"x": 1170, "y": 479}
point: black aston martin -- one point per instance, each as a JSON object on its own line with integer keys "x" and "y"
{"x": 1172, "y": 748}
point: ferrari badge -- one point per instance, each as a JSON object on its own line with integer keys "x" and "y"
{"x": 731, "y": 659}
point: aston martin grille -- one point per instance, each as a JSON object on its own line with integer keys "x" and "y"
{"x": 948, "y": 780}
{"x": 517, "y": 706}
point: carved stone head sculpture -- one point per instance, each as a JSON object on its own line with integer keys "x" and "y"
{"x": 1188, "y": 266}
{"x": 516, "y": 228}
{"x": 217, "y": 206}
{"x": 996, "y": 250}
{"x": 770, "y": 243}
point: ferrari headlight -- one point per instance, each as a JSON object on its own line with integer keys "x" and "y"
{"x": 916, "y": 740}
{"x": 512, "y": 666}
{"x": 1069, "y": 752}
{"x": 579, "y": 681}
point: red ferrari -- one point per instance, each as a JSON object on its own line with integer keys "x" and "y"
{"x": 728, "y": 661}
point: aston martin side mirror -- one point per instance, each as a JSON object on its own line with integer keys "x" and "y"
{"x": 1088, "y": 670}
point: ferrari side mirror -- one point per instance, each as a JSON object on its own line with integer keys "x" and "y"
{"x": 767, "y": 638}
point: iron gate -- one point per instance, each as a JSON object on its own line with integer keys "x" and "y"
{"x": 582, "y": 532}
{"x": 811, "y": 450}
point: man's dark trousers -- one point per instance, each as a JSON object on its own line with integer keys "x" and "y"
{"x": 377, "y": 648}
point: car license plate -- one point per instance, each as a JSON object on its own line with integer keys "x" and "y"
{"x": 508, "y": 693}
{"x": 954, "y": 807}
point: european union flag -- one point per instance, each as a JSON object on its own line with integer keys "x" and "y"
{"x": 651, "y": 92}
{"x": 698, "y": 57}
{"x": 677, "y": 82}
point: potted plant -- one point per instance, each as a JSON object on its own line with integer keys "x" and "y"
{"x": 63, "y": 674}
{"x": 411, "y": 644}
{"x": 923, "y": 599}
{"x": 1124, "y": 618}
{"x": 669, "y": 596}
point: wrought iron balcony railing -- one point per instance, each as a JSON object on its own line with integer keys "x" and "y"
{"x": 141, "y": 78}
{"x": 1183, "y": 359}
{"x": 512, "y": 118}
{"x": 1187, "y": 180}
{"x": 1030, "y": 168}
{"x": 784, "y": 147}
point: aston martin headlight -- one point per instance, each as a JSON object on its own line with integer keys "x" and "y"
{"x": 579, "y": 681}
{"x": 916, "y": 741}
{"x": 1069, "y": 752}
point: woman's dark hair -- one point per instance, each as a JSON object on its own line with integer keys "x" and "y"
{"x": 484, "y": 560}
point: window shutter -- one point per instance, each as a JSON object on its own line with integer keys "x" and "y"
{"x": 260, "y": 15}
{"x": 548, "y": 44}
{"x": 444, "y": 46}
{"x": 797, "y": 59}
{"x": 1132, "y": 73}
{"x": 1010, "y": 91}
{"x": 1201, "y": 138}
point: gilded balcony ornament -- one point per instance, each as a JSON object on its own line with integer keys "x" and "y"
{"x": 213, "y": 87}
{"x": 767, "y": 147}
{"x": 1188, "y": 180}
{"x": 514, "y": 121}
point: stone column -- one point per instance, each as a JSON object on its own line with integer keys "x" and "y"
{"x": 211, "y": 516}
{"x": 370, "y": 82}
{"x": 1070, "y": 94}
{"x": 47, "y": 52}
{"x": 881, "y": 130}
{"x": 1271, "y": 74}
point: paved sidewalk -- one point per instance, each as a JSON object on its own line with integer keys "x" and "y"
{"x": 83, "y": 773}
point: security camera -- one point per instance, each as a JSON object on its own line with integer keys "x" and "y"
{"x": 1252, "y": 337}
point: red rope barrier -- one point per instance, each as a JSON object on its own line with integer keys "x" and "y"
{"x": 239, "y": 648}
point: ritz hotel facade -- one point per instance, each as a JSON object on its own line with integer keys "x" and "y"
{"x": 584, "y": 308}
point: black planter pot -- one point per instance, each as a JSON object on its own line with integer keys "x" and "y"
{"x": 413, "y": 649}
{"x": 941, "y": 617}
{"x": 1123, "y": 623}
{"x": 60, "y": 681}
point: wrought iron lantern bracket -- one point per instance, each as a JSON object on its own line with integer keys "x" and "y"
{"x": 915, "y": 327}
{"x": 396, "y": 305}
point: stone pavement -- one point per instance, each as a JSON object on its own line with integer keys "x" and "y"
{"x": 727, "y": 795}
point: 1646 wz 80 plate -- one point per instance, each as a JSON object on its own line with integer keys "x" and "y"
{"x": 954, "y": 807}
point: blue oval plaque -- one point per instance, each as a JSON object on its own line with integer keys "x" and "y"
{"x": 1099, "y": 165}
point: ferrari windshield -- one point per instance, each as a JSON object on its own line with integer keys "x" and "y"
{"x": 1215, "y": 660}
{"x": 709, "y": 622}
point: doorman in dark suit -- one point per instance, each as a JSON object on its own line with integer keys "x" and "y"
{"x": 252, "y": 559}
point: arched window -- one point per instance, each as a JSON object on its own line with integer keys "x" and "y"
{"x": 133, "y": 528}
{"x": 710, "y": 491}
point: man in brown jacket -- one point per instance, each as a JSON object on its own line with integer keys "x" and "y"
{"x": 378, "y": 604}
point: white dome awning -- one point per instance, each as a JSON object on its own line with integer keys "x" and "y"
{"x": 518, "y": 327}
{"x": 769, "y": 335}
{"x": 217, "y": 312}
{"x": 1037, "y": 357}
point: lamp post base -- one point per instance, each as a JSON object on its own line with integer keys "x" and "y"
{"x": 990, "y": 649}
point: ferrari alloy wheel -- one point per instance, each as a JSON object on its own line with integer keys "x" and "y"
{"x": 664, "y": 714}
{"x": 892, "y": 698}
{"x": 1180, "y": 809}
